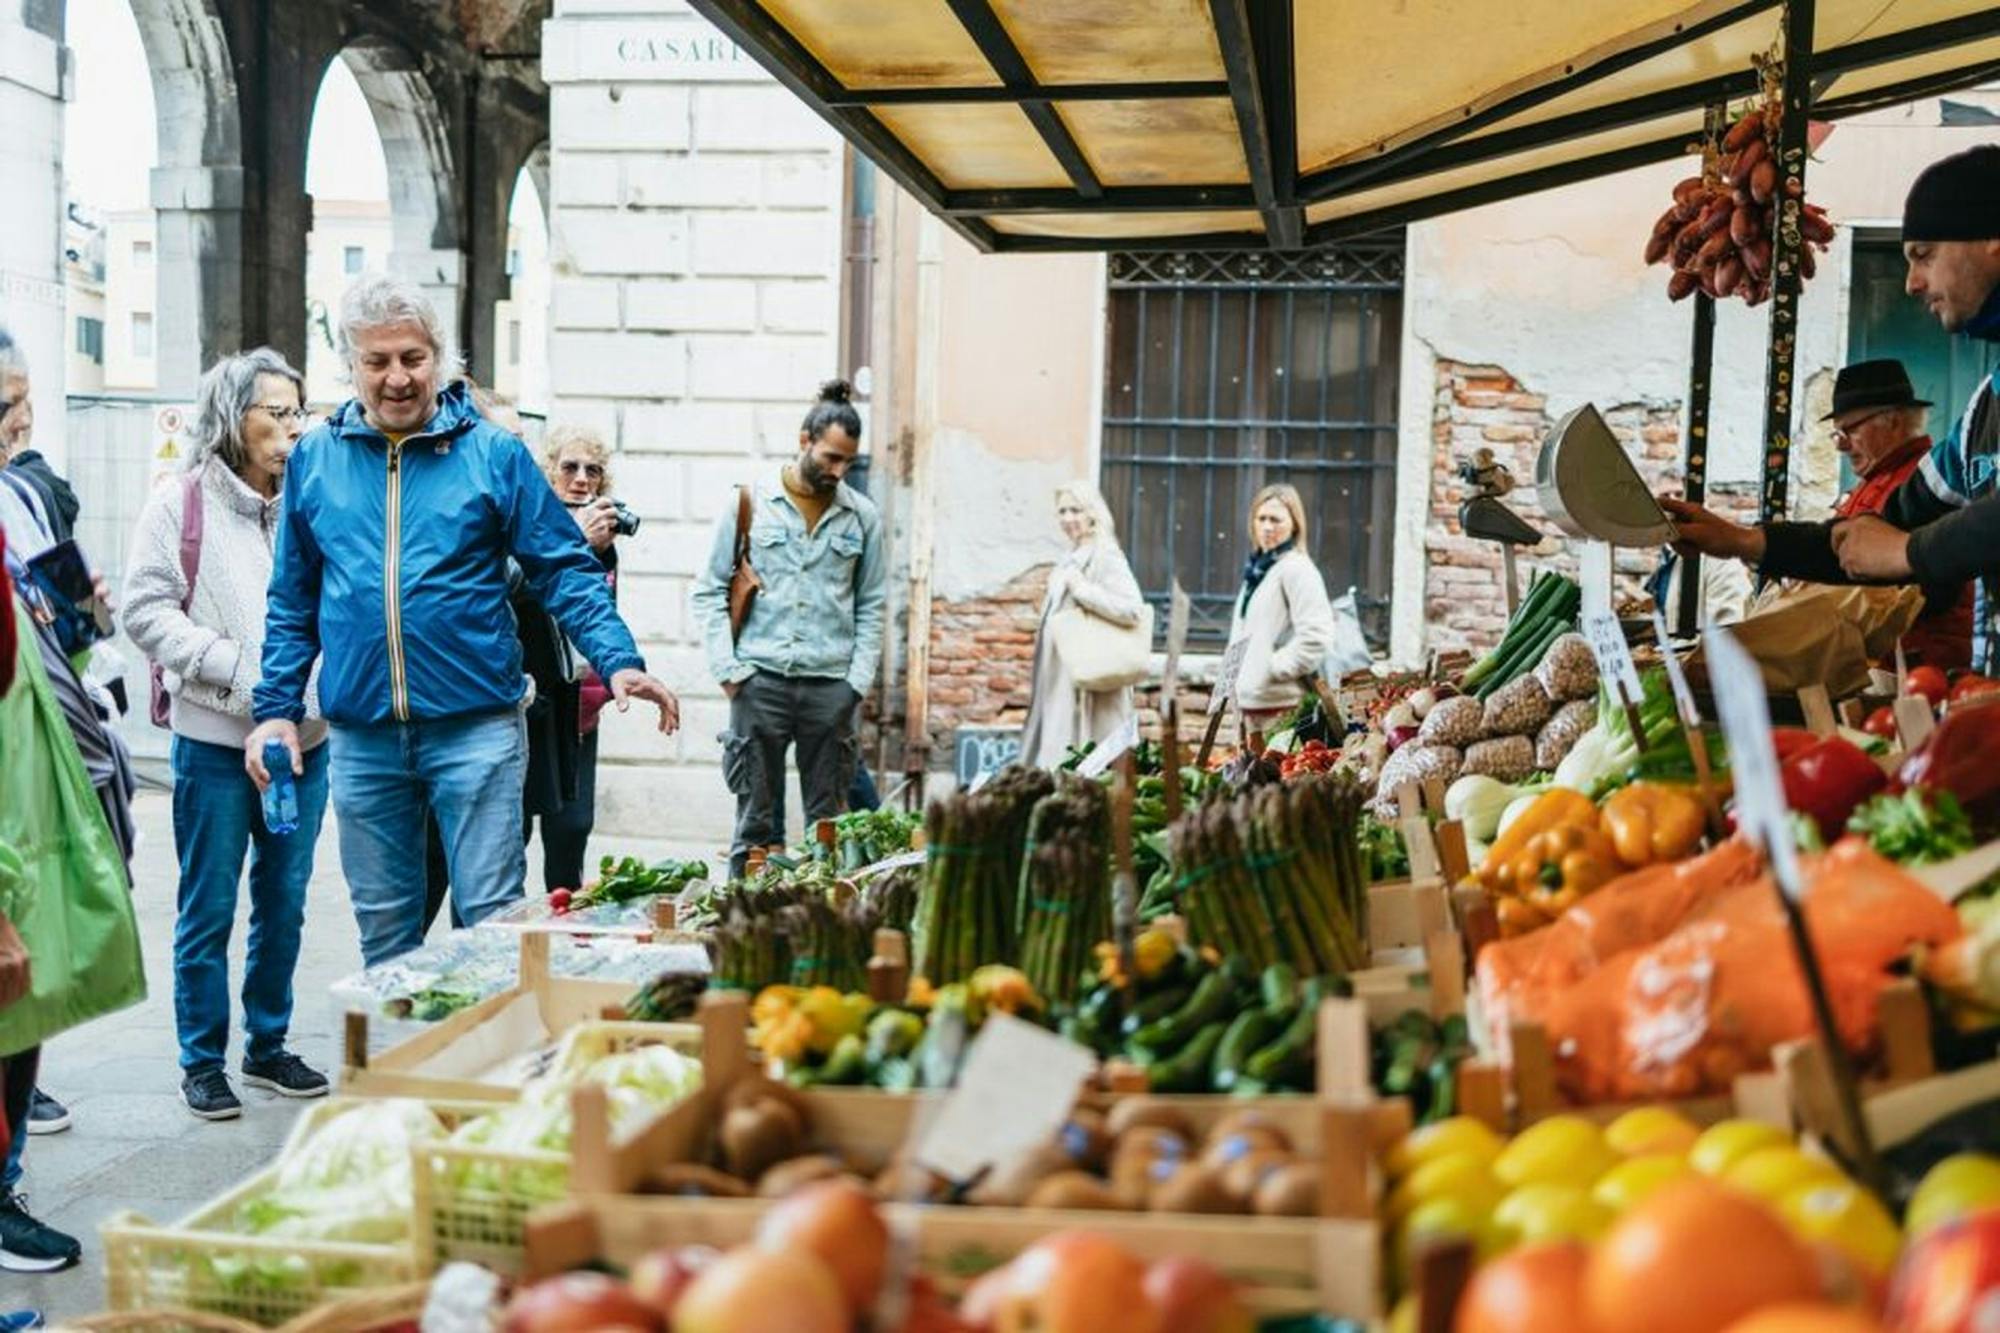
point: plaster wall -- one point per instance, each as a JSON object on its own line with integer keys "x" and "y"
{"x": 35, "y": 79}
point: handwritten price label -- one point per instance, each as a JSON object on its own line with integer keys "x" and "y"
{"x": 1017, "y": 1087}
{"x": 1613, "y": 654}
{"x": 1110, "y": 749}
{"x": 1683, "y": 696}
{"x": 1746, "y": 724}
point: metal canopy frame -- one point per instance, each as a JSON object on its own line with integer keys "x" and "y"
{"x": 1255, "y": 38}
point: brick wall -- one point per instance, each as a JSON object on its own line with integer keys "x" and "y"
{"x": 1479, "y": 406}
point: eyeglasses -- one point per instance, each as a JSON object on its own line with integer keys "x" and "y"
{"x": 1853, "y": 428}
{"x": 569, "y": 467}
{"x": 281, "y": 413}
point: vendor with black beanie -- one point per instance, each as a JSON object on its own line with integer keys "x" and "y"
{"x": 1941, "y": 526}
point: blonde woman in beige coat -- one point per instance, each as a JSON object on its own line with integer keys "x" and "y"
{"x": 1094, "y": 576}
{"x": 1282, "y": 615}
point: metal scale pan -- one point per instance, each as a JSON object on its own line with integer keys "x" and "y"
{"x": 1589, "y": 487}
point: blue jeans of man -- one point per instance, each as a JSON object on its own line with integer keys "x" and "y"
{"x": 217, "y": 816}
{"x": 386, "y": 778}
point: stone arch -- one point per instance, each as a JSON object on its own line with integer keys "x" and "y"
{"x": 198, "y": 188}
{"x": 426, "y": 244}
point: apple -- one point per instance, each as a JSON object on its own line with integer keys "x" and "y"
{"x": 661, "y": 1276}
{"x": 1071, "y": 1282}
{"x": 756, "y": 1290}
{"x": 580, "y": 1303}
{"x": 1193, "y": 1296}
{"x": 836, "y": 1221}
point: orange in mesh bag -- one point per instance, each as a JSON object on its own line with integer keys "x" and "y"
{"x": 1517, "y": 977}
{"x": 1688, "y": 1014}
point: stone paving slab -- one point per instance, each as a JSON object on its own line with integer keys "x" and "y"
{"x": 134, "y": 1146}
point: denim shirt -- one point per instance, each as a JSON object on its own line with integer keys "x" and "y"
{"x": 821, "y": 609}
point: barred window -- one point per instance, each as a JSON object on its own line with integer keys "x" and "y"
{"x": 1230, "y": 371}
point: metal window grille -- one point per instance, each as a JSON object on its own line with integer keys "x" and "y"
{"x": 1231, "y": 371}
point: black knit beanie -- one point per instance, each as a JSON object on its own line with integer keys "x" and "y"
{"x": 1956, "y": 198}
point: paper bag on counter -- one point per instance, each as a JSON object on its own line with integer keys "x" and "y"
{"x": 1823, "y": 634}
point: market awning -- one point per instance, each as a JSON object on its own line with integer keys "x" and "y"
{"x": 1097, "y": 124}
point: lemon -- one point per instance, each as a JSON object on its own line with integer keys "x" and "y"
{"x": 1649, "y": 1130}
{"x": 1443, "y": 1219}
{"x": 1446, "y": 1138}
{"x": 1726, "y": 1142}
{"x": 1464, "y": 1176}
{"x": 1772, "y": 1173}
{"x": 1849, "y": 1218}
{"x": 1403, "y": 1319}
{"x": 1564, "y": 1149}
{"x": 1636, "y": 1177}
{"x": 1964, "y": 1183}
{"x": 1536, "y": 1213}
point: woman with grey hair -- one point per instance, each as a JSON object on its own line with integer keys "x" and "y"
{"x": 1096, "y": 578}
{"x": 194, "y": 604}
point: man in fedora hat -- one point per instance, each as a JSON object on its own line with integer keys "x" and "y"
{"x": 1941, "y": 526}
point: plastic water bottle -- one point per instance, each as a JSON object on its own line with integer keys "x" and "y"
{"x": 281, "y": 798}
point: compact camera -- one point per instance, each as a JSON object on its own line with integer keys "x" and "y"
{"x": 623, "y": 521}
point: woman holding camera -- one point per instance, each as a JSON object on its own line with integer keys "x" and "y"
{"x": 562, "y": 727}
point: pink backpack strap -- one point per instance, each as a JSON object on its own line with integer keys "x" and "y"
{"x": 191, "y": 525}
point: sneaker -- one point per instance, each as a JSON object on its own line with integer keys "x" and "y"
{"x": 46, "y": 1115}
{"x": 207, "y": 1093}
{"x": 28, "y": 1246}
{"x": 11, "y": 1321}
{"x": 286, "y": 1075}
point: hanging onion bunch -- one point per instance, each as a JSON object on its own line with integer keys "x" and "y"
{"x": 1718, "y": 235}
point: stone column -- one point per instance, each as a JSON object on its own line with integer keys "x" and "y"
{"x": 695, "y": 241}
{"x": 35, "y": 81}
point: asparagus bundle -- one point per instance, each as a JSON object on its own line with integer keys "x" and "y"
{"x": 792, "y": 932}
{"x": 827, "y": 945}
{"x": 1065, "y": 899}
{"x": 1277, "y": 875}
{"x": 893, "y": 897}
{"x": 966, "y": 911}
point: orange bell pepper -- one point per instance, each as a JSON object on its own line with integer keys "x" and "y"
{"x": 1652, "y": 822}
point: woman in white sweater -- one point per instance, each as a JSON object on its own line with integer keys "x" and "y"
{"x": 1094, "y": 576}
{"x": 194, "y": 604}
{"x": 1282, "y": 616}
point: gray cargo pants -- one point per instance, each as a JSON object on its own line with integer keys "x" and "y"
{"x": 768, "y": 716}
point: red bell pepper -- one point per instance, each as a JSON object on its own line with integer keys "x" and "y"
{"x": 1788, "y": 741}
{"x": 1959, "y": 758}
{"x": 1827, "y": 779}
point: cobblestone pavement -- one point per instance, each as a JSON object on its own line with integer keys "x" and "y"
{"x": 134, "y": 1146}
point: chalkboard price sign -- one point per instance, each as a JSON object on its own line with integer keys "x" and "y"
{"x": 980, "y": 752}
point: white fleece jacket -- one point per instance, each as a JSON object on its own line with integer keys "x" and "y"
{"x": 1289, "y": 624}
{"x": 211, "y": 653}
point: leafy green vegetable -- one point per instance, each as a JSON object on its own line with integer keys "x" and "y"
{"x": 1388, "y": 856}
{"x": 1916, "y": 827}
{"x": 349, "y": 1180}
{"x": 620, "y": 881}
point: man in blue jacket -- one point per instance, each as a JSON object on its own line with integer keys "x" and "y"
{"x": 1942, "y": 525}
{"x": 391, "y": 566}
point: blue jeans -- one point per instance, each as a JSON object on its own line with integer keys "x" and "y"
{"x": 217, "y": 814}
{"x": 469, "y": 771}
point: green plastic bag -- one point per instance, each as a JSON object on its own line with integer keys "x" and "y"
{"x": 62, "y": 881}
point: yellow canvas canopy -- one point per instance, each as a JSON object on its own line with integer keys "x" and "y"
{"x": 1094, "y": 124}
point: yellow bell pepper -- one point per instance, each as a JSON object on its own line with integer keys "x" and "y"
{"x": 1558, "y": 867}
{"x": 833, "y": 1016}
{"x": 1558, "y": 807}
{"x": 1652, "y": 822}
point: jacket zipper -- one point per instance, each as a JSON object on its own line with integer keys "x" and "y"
{"x": 392, "y": 597}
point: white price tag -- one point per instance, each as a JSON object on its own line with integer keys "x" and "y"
{"x": 1746, "y": 724}
{"x": 1178, "y": 609}
{"x": 1017, "y": 1086}
{"x": 1594, "y": 570}
{"x": 896, "y": 862}
{"x": 1110, "y": 749}
{"x": 1683, "y": 696}
{"x": 1613, "y": 654}
{"x": 1225, "y": 676}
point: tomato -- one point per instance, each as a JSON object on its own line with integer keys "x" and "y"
{"x": 1970, "y": 684}
{"x": 1927, "y": 681}
{"x": 1881, "y": 722}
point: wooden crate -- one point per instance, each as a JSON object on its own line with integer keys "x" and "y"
{"x": 200, "y": 1263}
{"x": 1525, "y": 1090}
{"x": 423, "y": 1066}
{"x": 471, "y": 1202}
{"x": 1330, "y": 1263}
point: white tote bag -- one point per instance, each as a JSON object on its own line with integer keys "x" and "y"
{"x": 1100, "y": 655}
